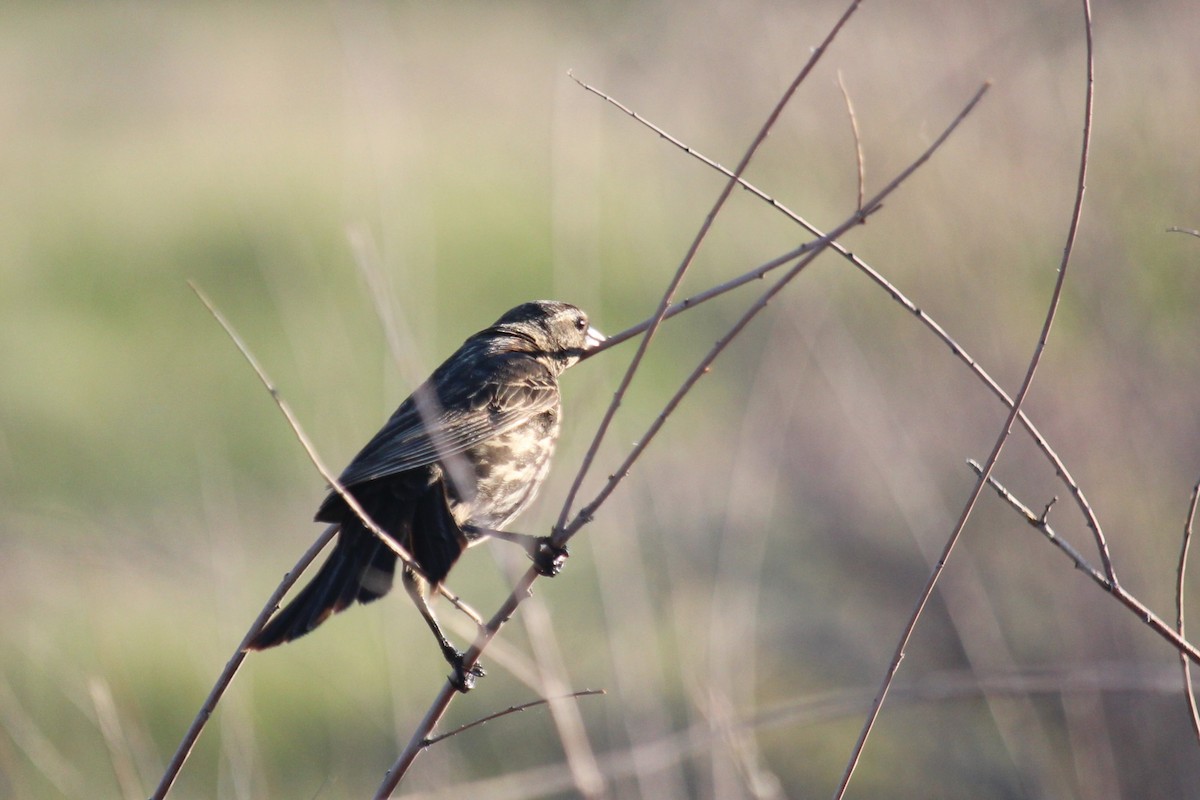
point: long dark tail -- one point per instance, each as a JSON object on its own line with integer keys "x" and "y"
{"x": 359, "y": 568}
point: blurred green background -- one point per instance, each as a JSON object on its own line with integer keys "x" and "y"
{"x": 308, "y": 164}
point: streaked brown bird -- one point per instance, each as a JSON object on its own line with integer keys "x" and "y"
{"x": 456, "y": 463}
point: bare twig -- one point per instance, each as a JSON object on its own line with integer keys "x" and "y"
{"x": 367, "y": 259}
{"x": 758, "y": 273}
{"x": 858, "y": 148}
{"x": 488, "y": 631}
{"x": 585, "y": 514}
{"x": 1188, "y": 692}
{"x": 874, "y": 204}
{"x": 1006, "y": 431}
{"x": 522, "y": 588}
{"x": 894, "y": 292}
{"x": 432, "y": 740}
{"x": 301, "y": 436}
{"x": 234, "y": 663}
{"x": 1188, "y": 231}
{"x": 816, "y": 709}
{"x": 423, "y": 402}
{"x": 689, "y": 257}
{"x": 1156, "y": 623}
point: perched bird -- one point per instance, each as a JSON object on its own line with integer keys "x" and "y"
{"x": 455, "y": 464}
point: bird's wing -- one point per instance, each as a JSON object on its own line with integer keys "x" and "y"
{"x": 459, "y": 415}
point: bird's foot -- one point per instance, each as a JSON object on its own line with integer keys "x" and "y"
{"x": 548, "y": 557}
{"x": 462, "y": 678}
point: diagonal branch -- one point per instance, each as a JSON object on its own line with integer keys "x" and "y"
{"x": 1189, "y": 694}
{"x": 689, "y": 257}
{"x": 305, "y": 442}
{"x": 956, "y": 349}
{"x": 871, "y": 206}
{"x": 807, "y": 711}
{"x": 524, "y": 585}
{"x": 1140, "y": 610}
{"x": 231, "y": 667}
{"x": 432, "y": 740}
{"x": 1006, "y": 431}
{"x": 233, "y": 664}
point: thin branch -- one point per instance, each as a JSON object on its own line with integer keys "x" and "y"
{"x": 310, "y": 449}
{"x": 1188, "y": 692}
{"x": 874, "y": 204}
{"x": 858, "y": 148}
{"x": 367, "y": 259}
{"x": 1156, "y": 623}
{"x": 523, "y": 587}
{"x": 894, "y": 292}
{"x": 585, "y": 514}
{"x": 442, "y": 702}
{"x": 820, "y": 709}
{"x": 234, "y": 663}
{"x": 690, "y": 256}
{"x": 432, "y": 740}
{"x": 521, "y": 590}
{"x": 1006, "y": 431}
{"x": 1188, "y": 231}
{"x": 301, "y": 436}
{"x": 758, "y": 273}
{"x": 487, "y": 632}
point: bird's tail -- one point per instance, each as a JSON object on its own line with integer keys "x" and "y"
{"x": 359, "y": 568}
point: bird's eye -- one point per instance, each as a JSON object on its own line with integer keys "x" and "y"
{"x": 581, "y": 323}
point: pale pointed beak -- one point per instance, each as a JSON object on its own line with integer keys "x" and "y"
{"x": 593, "y": 339}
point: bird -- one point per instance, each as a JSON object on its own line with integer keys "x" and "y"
{"x": 458, "y": 461}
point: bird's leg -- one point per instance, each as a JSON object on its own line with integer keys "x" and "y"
{"x": 548, "y": 557}
{"x": 463, "y": 679}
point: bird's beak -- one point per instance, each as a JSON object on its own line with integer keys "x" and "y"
{"x": 593, "y": 339}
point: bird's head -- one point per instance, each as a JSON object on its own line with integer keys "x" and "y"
{"x": 557, "y": 330}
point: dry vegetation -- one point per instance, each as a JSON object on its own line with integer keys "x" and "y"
{"x": 741, "y": 595}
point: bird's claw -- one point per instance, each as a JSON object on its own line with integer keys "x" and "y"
{"x": 462, "y": 678}
{"x": 549, "y": 558}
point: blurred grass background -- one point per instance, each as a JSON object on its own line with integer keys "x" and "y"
{"x": 760, "y": 560}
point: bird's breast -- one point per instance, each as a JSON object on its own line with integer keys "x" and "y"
{"x": 508, "y": 469}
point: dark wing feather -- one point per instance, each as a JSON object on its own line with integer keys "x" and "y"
{"x": 470, "y": 409}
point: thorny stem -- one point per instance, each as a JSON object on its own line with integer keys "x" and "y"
{"x": 1005, "y": 433}
{"x": 929, "y": 322}
{"x": 432, "y": 740}
{"x": 1189, "y": 694}
{"x": 184, "y": 749}
{"x": 524, "y": 584}
{"x": 585, "y": 514}
{"x": 1140, "y": 610}
{"x": 689, "y": 257}
{"x": 232, "y": 665}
